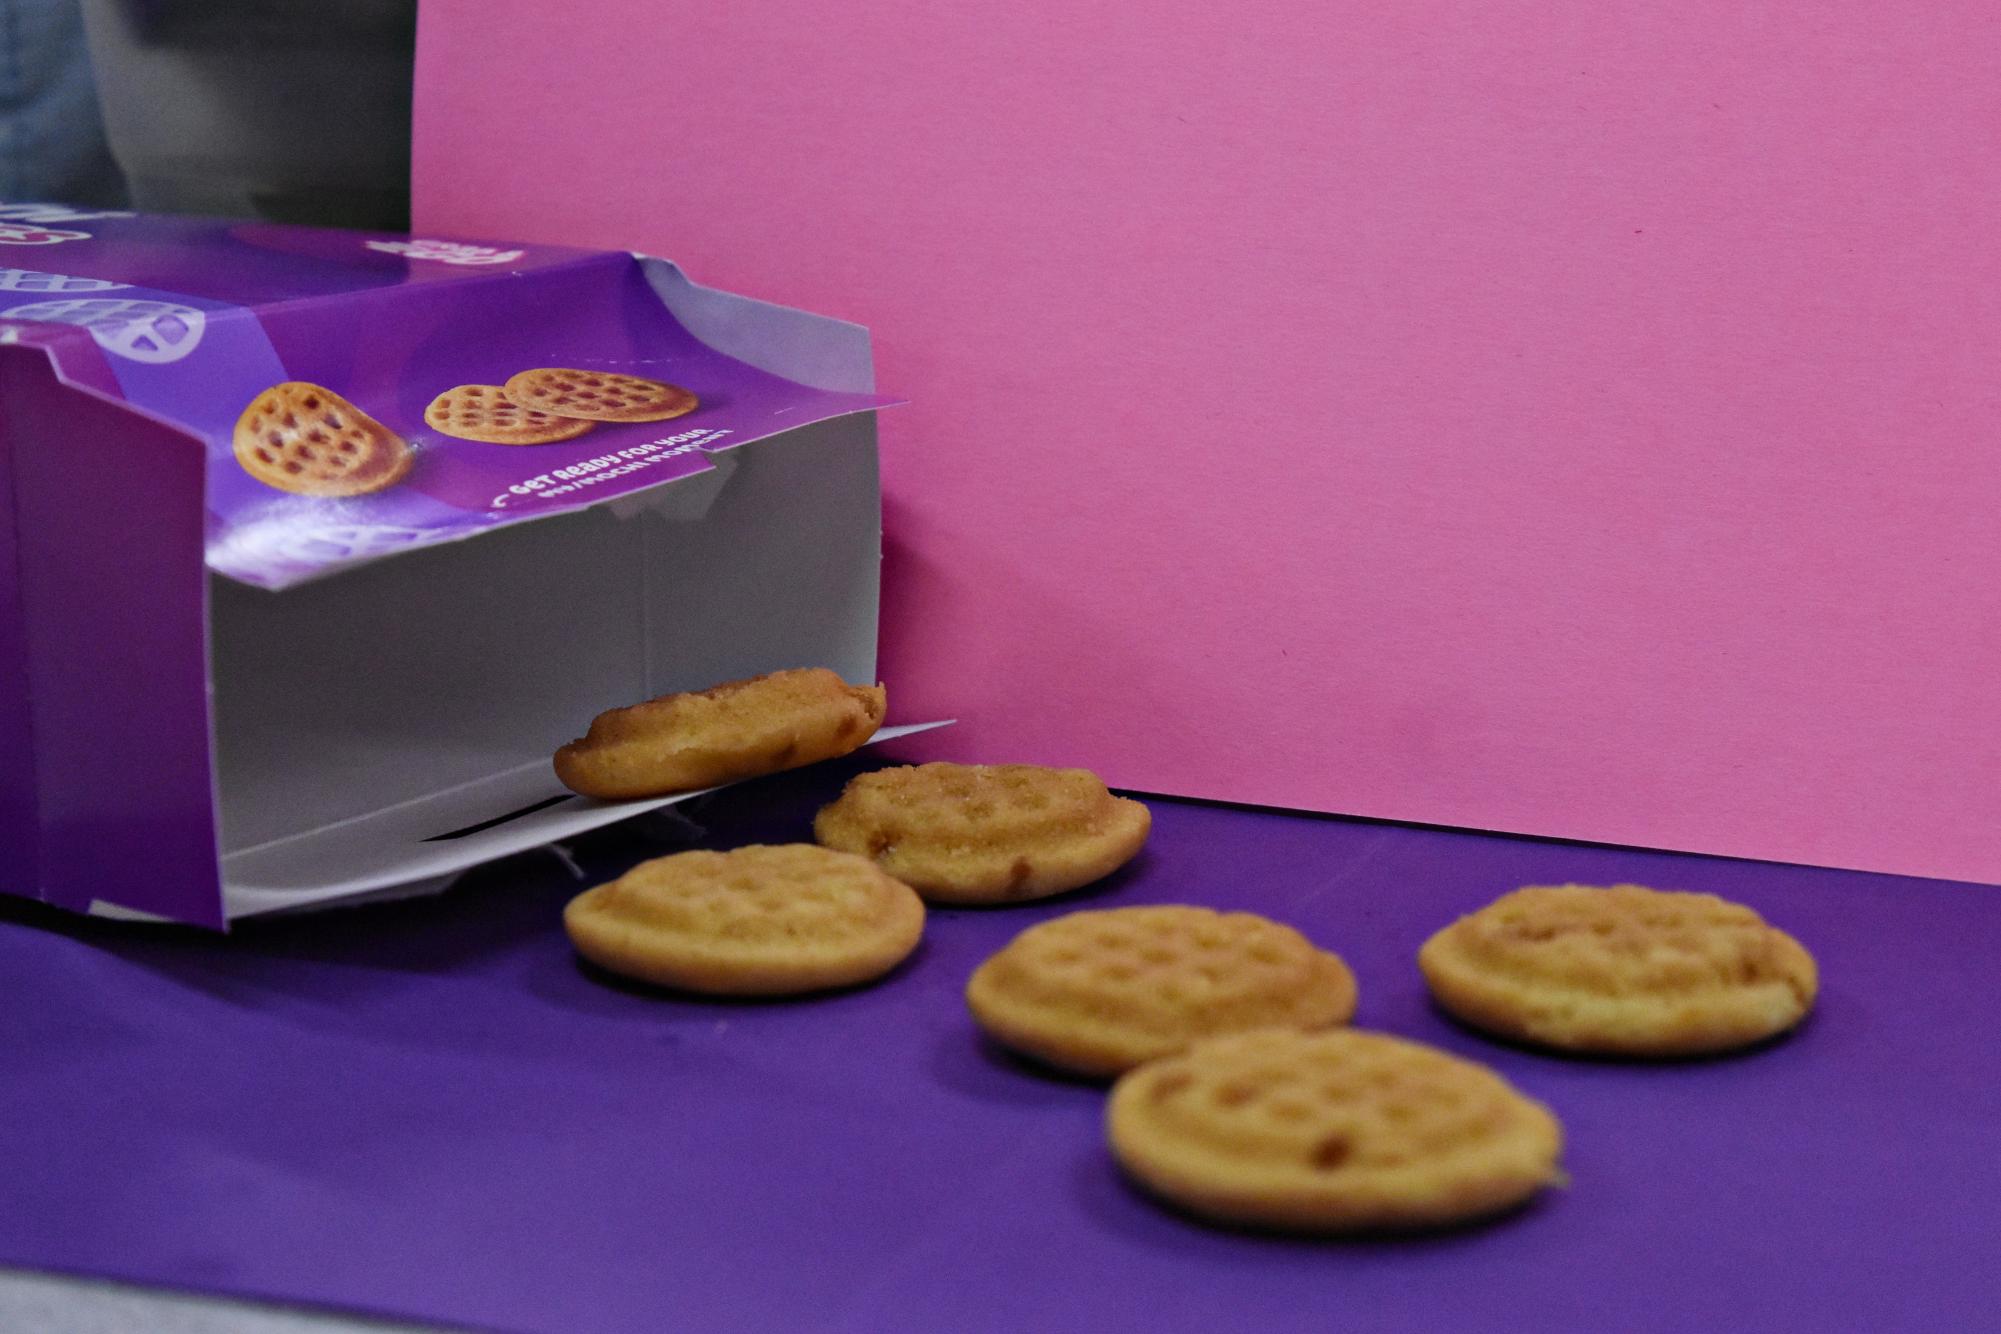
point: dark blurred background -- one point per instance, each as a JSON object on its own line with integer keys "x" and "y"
{"x": 288, "y": 110}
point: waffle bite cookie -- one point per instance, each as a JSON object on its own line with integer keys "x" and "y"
{"x": 308, "y": 440}
{"x": 1337, "y": 1131}
{"x": 979, "y": 834}
{"x": 1624, "y": 971}
{"x": 599, "y": 396}
{"x": 1097, "y": 993}
{"x": 737, "y": 730}
{"x": 759, "y": 921}
{"x": 484, "y": 413}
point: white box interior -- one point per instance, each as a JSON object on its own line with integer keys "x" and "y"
{"x": 360, "y": 718}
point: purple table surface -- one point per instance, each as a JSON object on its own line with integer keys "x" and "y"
{"x": 431, "y": 1111}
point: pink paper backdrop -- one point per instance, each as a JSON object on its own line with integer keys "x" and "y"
{"x": 1578, "y": 420}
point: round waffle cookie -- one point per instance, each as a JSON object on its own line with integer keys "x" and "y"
{"x": 736, "y": 730}
{"x": 302, "y": 438}
{"x": 1097, "y": 993}
{"x": 977, "y": 833}
{"x": 1625, "y": 971}
{"x": 759, "y": 921}
{"x": 1338, "y": 1131}
{"x": 483, "y": 412}
{"x": 599, "y": 396}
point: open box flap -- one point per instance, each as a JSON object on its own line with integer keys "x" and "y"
{"x": 196, "y": 324}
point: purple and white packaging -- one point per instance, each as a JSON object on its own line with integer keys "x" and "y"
{"x": 218, "y": 698}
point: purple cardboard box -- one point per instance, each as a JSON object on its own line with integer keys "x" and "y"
{"x": 221, "y": 697}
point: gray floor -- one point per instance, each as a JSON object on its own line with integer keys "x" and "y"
{"x": 36, "y": 1303}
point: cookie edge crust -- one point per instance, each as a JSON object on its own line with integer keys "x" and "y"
{"x": 691, "y": 769}
{"x": 1087, "y": 860}
{"x": 1096, "y": 1050}
{"x": 1593, "y": 1024}
{"x": 1276, "y": 1199}
{"x": 623, "y": 950}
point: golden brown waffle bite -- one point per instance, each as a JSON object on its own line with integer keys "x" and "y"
{"x": 759, "y": 921}
{"x": 1097, "y": 993}
{"x": 1625, "y": 971}
{"x": 483, "y": 412}
{"x": 740, "y": 729}
{"x": 601, "y": 396}
{"x": 977, "y": 833}
{"x": 310, "y": 441}
{"x": 1336, "y": 1131}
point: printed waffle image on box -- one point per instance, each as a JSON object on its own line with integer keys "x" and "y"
{"x": 333, "y": 537}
